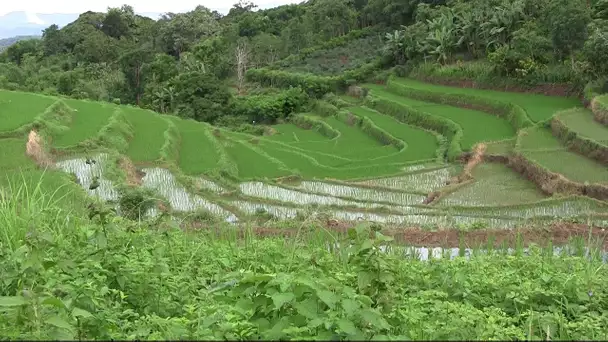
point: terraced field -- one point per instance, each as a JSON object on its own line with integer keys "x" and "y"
{"x": 366, "y": 163}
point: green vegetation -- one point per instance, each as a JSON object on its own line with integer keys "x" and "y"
{"x": 148, "y": 132}
{"x": 87, "y": 120}
{"x": 27, "y": 105}
{"x": 409, "y": 300}
{"x": 197, "y": 154}
{"x": 477, "y": 126}
{"x": 539, "y": 145}
{"x": 334, "y": 61}
{"x": 420, "y": 144}
{"x": 508, "y": 188}
{"x": 582, "y": 123}
{"x": 151, "y": 213}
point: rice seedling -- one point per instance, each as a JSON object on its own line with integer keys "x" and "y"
{"x": 163, "y": 181}
{"x": 91, "y": 176}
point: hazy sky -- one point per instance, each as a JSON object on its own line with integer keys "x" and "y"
{"x": 161, "y": 6}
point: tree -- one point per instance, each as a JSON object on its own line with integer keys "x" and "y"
{"x": 200, "y": 96}
{"x": 242, "y": 58}
{"x": 567, "y": 22}
{"x": 119, "y": 22}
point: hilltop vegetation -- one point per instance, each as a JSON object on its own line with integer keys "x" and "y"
{"x": 265, "y": 174}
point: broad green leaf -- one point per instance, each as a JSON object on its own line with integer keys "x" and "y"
{"x": 307, "y": 308}
{"x": 350, "y": 306}
{"x": 280, "y": 299}
{"x": 81, "y": 313}
{"x": 59, "y": 323}
{"x": 54, "y": 302}
{"x": 12, "y": 301}
{"x": 375, "y": 319}
{"x": 328, "y": 298}
{"x": 364, "y": 279}
{"x": 348, "y": 327}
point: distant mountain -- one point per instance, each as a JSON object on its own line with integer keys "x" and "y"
{"x": 32, "y": 24}
{"x": 6, "y": 42}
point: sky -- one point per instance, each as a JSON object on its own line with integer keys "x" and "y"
{"x": 157, "y": 6}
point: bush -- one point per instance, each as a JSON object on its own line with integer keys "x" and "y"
{"x": 135, "y": 202}
{"x": 270, "y": 108}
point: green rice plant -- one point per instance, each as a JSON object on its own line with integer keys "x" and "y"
{"x": 419, "y": 143}
{"x": 253, "y": 163}
{"x": 581, "y": 133}
{"x": 353, "y": 143}
{"x": 539, "y": 145}
{"x": 581, "y": 122}
{"x": 169, "y": 152}
{"x": 12, "y": 155}
{"x": 197, "y": 152}
{"x": 87, "y": 119}
{"x": 538, "y": 107}
{"x": 501, "y": 147}
{"x": 494, "y": 185}
{"x": 368, "y": 126}
{"x": 310, "y": 123}
{"x": 411, "y": 116}
{"x": 148, "y": 128}
{"x": 18, "y": 109}
{"x": 423, "y": 180}
{"x": 477, "y": 126}
{"x": 514, "y": 114}
{"x": 116, "y": 134}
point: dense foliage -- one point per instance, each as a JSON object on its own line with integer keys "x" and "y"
{"x": 535, "y": 41}
{"x": 119, "y": 56}
{"x": 66, "y": 276}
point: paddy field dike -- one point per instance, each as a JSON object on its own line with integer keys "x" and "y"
{"x": 408, "y": 153}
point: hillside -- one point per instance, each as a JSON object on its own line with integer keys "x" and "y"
{"x": 288, "y": 173}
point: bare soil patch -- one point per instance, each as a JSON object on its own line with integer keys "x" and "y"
{"x": 557, "y": 233}
{"x": 34, "y": 148}
{"x": 134, "y": 176}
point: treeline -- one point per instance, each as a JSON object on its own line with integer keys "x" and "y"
{"x": 195, "y": 64}
{"x": 183, "y": 63}
{"x": 534, "y": 41}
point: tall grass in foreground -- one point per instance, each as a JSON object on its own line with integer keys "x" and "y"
{"x": 102, "y": 277}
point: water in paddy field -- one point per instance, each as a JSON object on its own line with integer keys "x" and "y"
{"x": 437, "y": 253}
{"x": 163, "y": 181}
{"x": 373, "y": 195}
{"x": 85, "y": 174}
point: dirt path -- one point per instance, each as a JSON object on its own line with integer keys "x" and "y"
{"x": 558, "y": 234}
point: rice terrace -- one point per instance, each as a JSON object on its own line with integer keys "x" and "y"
{"x": 329, "y": 170}
{"x": 408, "y": 153}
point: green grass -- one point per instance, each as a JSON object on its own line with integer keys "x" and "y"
{"x": 175, "y": 284}
{"x": 503, "y": 147}
{"x": 87, "y": 119}
{"x": 12, "y": 154}
{"x": 478, "y": 126}
{"x": 307, "y": 169}
{"x": 289, "y": 133}
{"x": 539, "y": 145}
{"x": 494, "y": 185}
{"x": 582, "y": 122}
{"x": 197, "y": 154}
{"x": 421, "y": 144}
{"x": 538, "y": 107}
{"x": 148, "y": 137}
{"x": 353, "y": 143}
{"x": 18, "y": 109}
{"x": 250, "y": 163}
